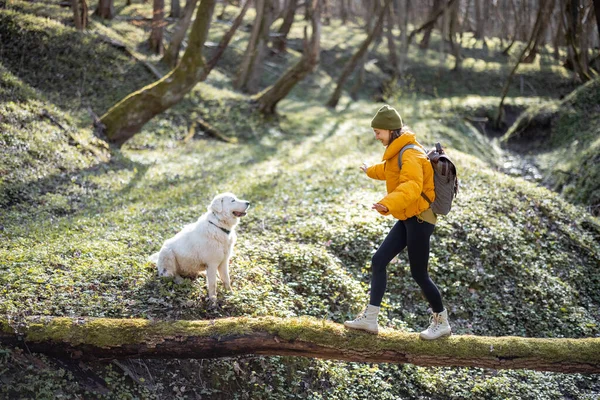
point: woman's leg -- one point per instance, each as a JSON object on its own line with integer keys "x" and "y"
{"x": 393, "y": 244}
{"x": 418, "y": 235}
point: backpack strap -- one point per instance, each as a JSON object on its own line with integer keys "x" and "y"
{"x": 408, "y": 146}
{"x": 412, "y": 146}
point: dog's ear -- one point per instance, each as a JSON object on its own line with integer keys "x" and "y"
{"x": 217, "y": 204}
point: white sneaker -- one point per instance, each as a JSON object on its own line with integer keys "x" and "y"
{"x": 366, "y": 320}
{"x": 438, "y": 326}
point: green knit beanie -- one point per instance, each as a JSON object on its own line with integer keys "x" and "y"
{"x": 387, "y": 118}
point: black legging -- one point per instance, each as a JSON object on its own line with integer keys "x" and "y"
{"x": 415, "y": 235}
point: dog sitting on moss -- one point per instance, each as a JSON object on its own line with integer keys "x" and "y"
{"x": 205, "y": 245}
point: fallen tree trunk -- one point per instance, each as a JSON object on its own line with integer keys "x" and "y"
{"x": 104, "y": 339}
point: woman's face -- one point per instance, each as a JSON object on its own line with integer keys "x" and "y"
{"x": 383, "y": 135}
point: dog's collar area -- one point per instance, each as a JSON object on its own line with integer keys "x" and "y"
{"x": 221, "y": 228}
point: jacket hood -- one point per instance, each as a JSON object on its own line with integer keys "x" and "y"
{"x": 394, "y": 148}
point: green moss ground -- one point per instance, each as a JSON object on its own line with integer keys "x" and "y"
{"x": 78, "y": 223}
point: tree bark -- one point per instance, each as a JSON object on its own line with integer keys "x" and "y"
{"x": 454, "y": 29}
{"x": 572, "y": 38}
{"x": 107, "y": 339}
{"x": 171, "y": 55}
{"x": 175, "y": 9}
{"x": 393, "y": 53}
{"x": 158, "y": 23}
{"x": 337, "y": 93}
{"x": 431, "y": 21}
{"x": 267, "y": 102}
{"x": 106, "y": 9}
{"x": 128, "y": 116}
{"x": 539, "y": 39}
{"x": 252, "y": 65}
{"x": 404, "y": 11}
{"x": 597, "y": 12}
{"x": 534, "y": 32}
{"x": 437, "y": 4}
{"x": 80, "y": 14}
{"x": 226, "y": 39}
{"x": 344, "y": 12}
{"x": 280, "y": 42}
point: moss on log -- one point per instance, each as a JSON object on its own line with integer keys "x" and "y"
{"x": 101, "y": 338}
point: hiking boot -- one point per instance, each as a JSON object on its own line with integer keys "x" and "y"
{"x": 366, "y": 320}
{"x": 438, "y": 326}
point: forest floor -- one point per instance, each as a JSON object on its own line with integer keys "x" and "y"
{"x": 79, "y": 219}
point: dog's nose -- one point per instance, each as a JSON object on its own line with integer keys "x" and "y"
{"x": 247, "y": 203}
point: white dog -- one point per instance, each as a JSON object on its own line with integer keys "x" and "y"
{"x": 205, "y": 245}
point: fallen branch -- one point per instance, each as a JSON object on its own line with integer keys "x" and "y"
{"x": 208, "y": 130}
{"x": 107, "y": 339}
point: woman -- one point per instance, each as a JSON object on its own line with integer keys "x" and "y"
{"x": 416, "y": 221}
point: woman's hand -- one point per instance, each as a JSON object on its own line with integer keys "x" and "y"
{"x": 380, "y": 208}
{"x": 364, "y": 167}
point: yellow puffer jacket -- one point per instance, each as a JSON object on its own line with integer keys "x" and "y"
{"x": 404, "y": 187}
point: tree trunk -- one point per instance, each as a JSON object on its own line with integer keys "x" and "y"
{"x": 128, "y": 116}
{"x": 175, "y": 9}
{"x": 80, "y": 14}
{"x": 106, "y": 9}
{"x": 597, "y": 12}
{"x": 393, "y": 53}
{"x": 226, "y": 39}
{"x": 572, "y": 37}
{"x": 335, "y": 97}
{"x": 437, "y": 4}
{"x": 539, "y": 39}
{"x": 252, "y": 65}
{"x": 267, "y": 102}
{"x": 372, "y": 10}
{"x": 534, "y": 31}
{"x": 158, "y": 23}
{"x": 431, "y": 21}
{"x": 171, "y": 55}
{"x": 326, "y": 12}
{"x": 108, "y": 339}
{"x": 404, "y": 11}
{"x": 454, "y": 29}
{"x": 280, "y": 41}
{"x": 344, "y": 12}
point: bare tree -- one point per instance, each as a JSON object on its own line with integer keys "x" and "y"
{"x": 80, "y": 14}
{"x": 158, "y": 23}
{"x": 337, "y": 93}
{"x": 454, "y": 30}
{"x": 175, "y": 9}
{"x": 128, "y": 116}
{"x": 572, "y": 35}
{"x": 227, "y": 38}
{"x": 404, "y": 12}
{"x": 310, "y": 58}
{"x": 393, "y": 53}
{"x": 280, "y": 41}
{"x": 431, "y": 21}
{"x": 106, "y": 9}
{"x": 597, "y": 12}
{"x": 171, "y": 55}
{"x": 480, "y": 21}
{"x": 534, "y": 32}
{"x": 252, "y": 64}
{"x": 540, "y": 37}
{"x": 437, "y": 4}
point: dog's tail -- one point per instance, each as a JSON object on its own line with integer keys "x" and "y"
{"x": 154, "y": 257}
